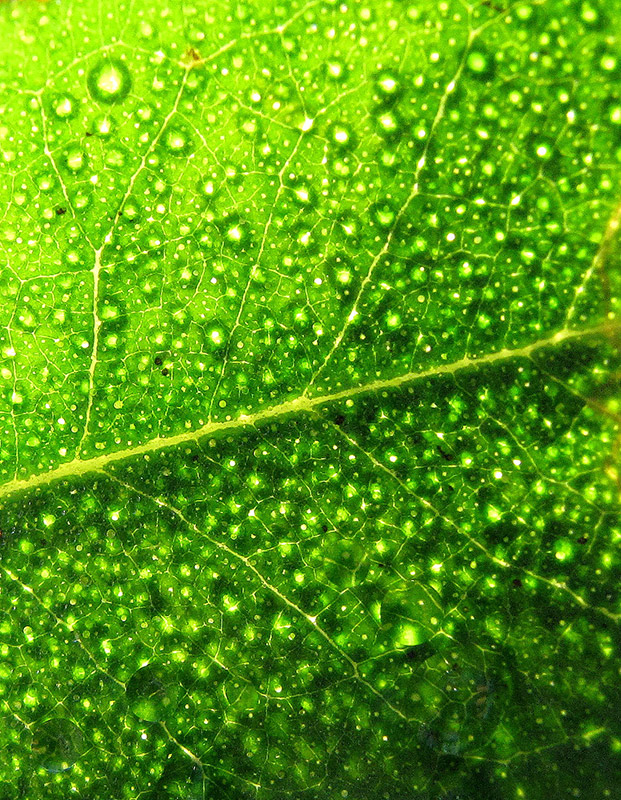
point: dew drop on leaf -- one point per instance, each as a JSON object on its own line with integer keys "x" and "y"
{"x": 334, "y": 69}
{"x": 152, "y": 693}
{"x": 64, "y": 106}
{"x": 57, "y": 744}
{"x": 387, "y": 85}
{"x": 109, "y": 81}
{"x": 383, "y": 214}
{"x": 104, "y": 126}
{"x": 115, "y": 158}
{"x": 74, "y": 159}
{"x": 388, "y": 124}
{"x": 46, "y": 181}
{"x": 177, "y": 141}
{"x": 341, "y": 135}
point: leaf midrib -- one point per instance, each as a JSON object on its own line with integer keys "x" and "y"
{"x": 78, "y": 467}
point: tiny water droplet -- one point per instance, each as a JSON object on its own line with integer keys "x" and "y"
{"x": 383, "y": 214}
{"x": 115, "y": 158}
{"x": 46, "y": 182}
{"x": 341, "y": 135}
{"x": 387, "y": 85}
{"x": 103, "y": 126}
{"x": 74, "y": 159}
{"x": 479, "y": 63}
{"x": 64, "y": 106}
{"x": 109, "y": 81}
{"x": 335, "y": 69}
{"x": 388, "y": 124}
{"x": 177, "y": 141}
{"x": 208, "y": 187}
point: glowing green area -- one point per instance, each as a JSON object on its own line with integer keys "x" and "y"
{"x": 309, "y": 400}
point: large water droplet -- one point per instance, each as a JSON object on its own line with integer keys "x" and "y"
{"x": 57, "y": 744}
{"x": 109, "y": 81}
{"x": 151, "y": 693}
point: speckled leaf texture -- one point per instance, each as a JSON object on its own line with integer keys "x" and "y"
{"x": 309, "y": 408}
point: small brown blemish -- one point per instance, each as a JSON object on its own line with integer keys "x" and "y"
{"x": 191, "y": 57}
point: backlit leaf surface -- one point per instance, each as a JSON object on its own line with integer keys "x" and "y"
{"x": 309, "y": 399}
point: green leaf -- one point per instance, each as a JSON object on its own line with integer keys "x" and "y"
{"x": 309, "y": 399}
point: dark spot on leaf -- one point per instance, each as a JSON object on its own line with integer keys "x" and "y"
{"x": 419, "y": 653}
{"x": 157, "y": 361}
{"x": 324, "y": 528}
{"x": 339, "y": 419}
{"x": 61, "y": 211}
{"x": 191, "y": 57}
{"x": 446, "y": 456}
{"x": 517, "y": 583}
{"x": 582, "y": 540}
{"x": 165, "y": 372}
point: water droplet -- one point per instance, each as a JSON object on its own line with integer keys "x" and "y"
{"x": 144, "y": 112}
{"x": 64, "y": 106}
{"x": 152, "y": 693}
{"x": 46, "y": 182}
{"x": 341, "y": 135}
{"x": 109, "y": 81}
{"x": 177, "y": 141}
{"x": 388, "y": 124}
{"x": 235, "y": 233}
{"x": 614, "y": 114}
{"x": 115, "y": 158}
{"x": 608, "y": 62}
{"x": 146, "y": 30}
{"x": 103, "y": 126}
{"x": 544, "y": 150}
{"x": 303, "y": 194}
{"x": 196, "y": 79}
{"x": 249, "y": 125}
{"x": 589, "y": 14}
{"x": 383, "y": 214}
{"x": 74, "y": 159}
{"x": 208, "y": 187}
{"x": 57, "y": 744}
{"x": 216, "y": 334}
{"x": 387, "y": 85}
{"x": 335, "y": 69}
{"x": 479, "y": 63}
